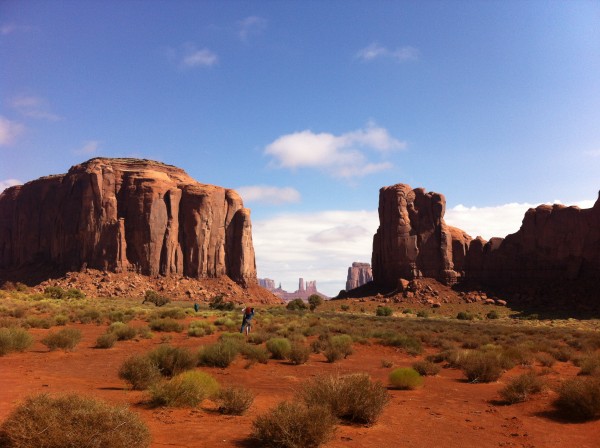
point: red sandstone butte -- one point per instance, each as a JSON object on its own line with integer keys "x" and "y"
{"x": 555, "y": 242}
{"x": 127, "y": 214}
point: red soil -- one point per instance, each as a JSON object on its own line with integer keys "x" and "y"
{"x": 446, "y": 412}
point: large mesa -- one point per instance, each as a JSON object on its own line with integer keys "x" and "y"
{"x": 127, "y": 215}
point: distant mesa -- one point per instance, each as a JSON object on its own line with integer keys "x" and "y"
{"x": 304, "y": 291}
{"x": 127, "y": 215}
{"x": 557, "y": 248}
{"x": 359, "y": 274}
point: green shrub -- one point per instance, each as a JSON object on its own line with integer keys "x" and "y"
{"x": 423, "y": 314}
{"x": 188, "y": 389}
{"x": 74, "y": 293}
{"x": 120, "y": 316}
{"x": 72, "y": 421}
{"x": 14, "y": 339}
{"x": 493, "y": 315}
{"x": 61, "y": 320}
{"x": 464, "y": 315}
{"x": 122, "y": 331}
{"x": 106, "y": 340}
{"x": 172, "y": 360}
{"x": 234, "y": 400}
{"x": 217, "y": 303}
{"x": 220, "y": 354}
{"x": 38, "y": 322}
{"x": 173, "y": 313}
{"x": 426, "y": 368}
{"x": 384, "y": 311}
{"x": 314, "y": 301}
{"x": 292, "y": 425}
{"x": 299, "y": 353}
{"x": 255, "y": 353}
{"x": 405, "y": 378}
{"x": 199, "y": 328}
{"x": 338, "y": 347}
{"x": 296, "y": 305}
{"x": 165, "y": 325}
{"x": 351, "y": 397}
{"x": 579, "y": 398}
{"x": 140, "y": 371}
{"x": 155, "y": 298}
{"x": 66, "y": 339}
{"x": 279, "y": 348}
{"x": 54, "y": 292}
{"x": 345, "y": 307}
{"x": 521, "y": 387}
{"x": 410, "y": 344}
{"x": 145, "y": 332}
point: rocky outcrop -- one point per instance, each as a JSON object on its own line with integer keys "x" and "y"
{"x": 412, "y": 239}
{"x": 267, "y": 283}
{"x": 554, "y": 243}
{"x": 127, "y": 215}
{"x": 358, "y": 274}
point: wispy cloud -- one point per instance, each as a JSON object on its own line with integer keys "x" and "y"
{"x": 337, "y": 154}
{"x": 9, "y": 131}
{"x": 4, "y": 184}
{"x": 251, "y": 26}
{"x": 10, "y": 28}
{"x": 268, "y": 194}
{"x": 88, "y": 148}
{"x": 33, "y": 107}
{"x": 199, "y": 58}
{"x": 376, "y": 51}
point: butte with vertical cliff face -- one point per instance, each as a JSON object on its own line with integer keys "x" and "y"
{"x": 555, "y": 243}
{"x": 127, "y": 215}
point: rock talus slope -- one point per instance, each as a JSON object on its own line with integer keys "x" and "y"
{"x": 127, "y": 215}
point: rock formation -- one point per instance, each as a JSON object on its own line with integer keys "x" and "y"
{"x": 358, "y": 274}
{"x": 412, "y": 239}
{"x": 267, "y": 283}
{"x": 554, "y": 243}
{"x": 304, "y": 291}
{"x": 127, "y": 215}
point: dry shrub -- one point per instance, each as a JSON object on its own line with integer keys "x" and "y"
{"x": 234, "y": 400}
{"x": 293, "y": 425}
{"x": 482, "y": 367}
{"x": 166, "y": 324}
{"x": 405, "y": 378}
{"x": 122, "y": 331}
{"x": 188, "y": 389}
{"x": 106, "y": 340}
{"x": 172, "y": 360}
{"x": 140, "y": 371}
{"x": 410, "y": 344}
{"x": 589, "y": 365}
{"x": 66, "y": 339}
{"x": 255, "y": 353}
{"x": 199, "y": 328}
{"x": 72, "y": 421}
{"x": 521, "y": 387}
{"x": 299, "y": 353}
{"x": 14, "y": 340}
{"x": 579, "y": 398}
{"x": 350, "y": 397}
{"x": 220, "y": 354}
{"x": 426, "y": 368}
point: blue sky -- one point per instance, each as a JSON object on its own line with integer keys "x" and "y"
{"x": 308, "y": 108}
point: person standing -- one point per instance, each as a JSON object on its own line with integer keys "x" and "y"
{"x": 247, "y": 317}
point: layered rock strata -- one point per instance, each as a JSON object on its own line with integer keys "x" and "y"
{"x": 555, "y": 242}
{"x": 127, "y": 214}
{"x": 358, "y": 274}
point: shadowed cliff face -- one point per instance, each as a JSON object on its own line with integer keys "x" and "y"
{"x": 127, "y": 214}
{"x": 554, "y": 243}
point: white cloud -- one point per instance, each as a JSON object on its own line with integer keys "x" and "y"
{"x": 33, "y": 107}
{"x": 90, "y": 147}
{"x": 339, "y": 155}
{"x": 375, "y": 51}
{"x": 251, "y": 26}
{"x": 269, "y": 195}
{"x": 315, "y": 246}
{"x": 4, "y": 184}
{"x": 9, "y": 131}
{"x": 193, "y": 57}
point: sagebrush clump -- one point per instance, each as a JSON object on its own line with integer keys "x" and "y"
{"x": 72, "y": 421}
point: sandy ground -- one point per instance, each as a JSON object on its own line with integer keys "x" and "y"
{"x": 446, "y": 412}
